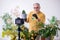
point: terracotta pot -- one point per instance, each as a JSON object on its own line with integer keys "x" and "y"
{"x": 42, "y": 38}
{"x": 23, "y": 16}
{"x": 48, "y": 38}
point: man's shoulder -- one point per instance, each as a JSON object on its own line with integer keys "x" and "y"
{"x": 42, "y": 13}
{"x": 31, "y": 12}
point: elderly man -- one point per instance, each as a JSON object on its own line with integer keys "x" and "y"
{"x": 35, "y": 16}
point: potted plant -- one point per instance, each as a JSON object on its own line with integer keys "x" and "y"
{"x": 9, "y": 28}
{"x": 23, "y": 15}
{"x": 49, "y": 31}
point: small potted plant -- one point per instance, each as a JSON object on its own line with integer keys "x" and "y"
{"x": 23, "y": 15}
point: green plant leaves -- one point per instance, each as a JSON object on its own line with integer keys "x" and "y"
{"x": 23, "y": 12}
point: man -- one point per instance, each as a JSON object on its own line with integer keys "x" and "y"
{"x": 35, "y": 16}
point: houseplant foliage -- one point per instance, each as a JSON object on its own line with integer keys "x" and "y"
{"x": 47, "y": 30}
{"x": 24, "y": 34}
{"x": 50, "y": 29}
{"x": 23, "y": 12}
{"x": 23, "y": 15}
{"x": 9, "y": 28}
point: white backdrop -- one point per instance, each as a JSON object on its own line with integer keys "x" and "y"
{"x": 48, "y": 7}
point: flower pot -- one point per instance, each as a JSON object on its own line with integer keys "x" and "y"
{"x": 23, "y": 16}
{"x": 48, "y": 38}
{"x": 42, "y": 38}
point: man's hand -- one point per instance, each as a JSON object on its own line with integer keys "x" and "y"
{"x": 38, "y": 19}
{"x": 34, "y": 15}
{"x": 25, "y": 19}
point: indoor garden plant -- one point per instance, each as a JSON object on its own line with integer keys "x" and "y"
{"x": 49, "y": 30}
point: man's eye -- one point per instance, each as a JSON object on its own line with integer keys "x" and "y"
{"x": 36, "y": 7}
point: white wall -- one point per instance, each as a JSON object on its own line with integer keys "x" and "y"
{"x": 49, "y": 7}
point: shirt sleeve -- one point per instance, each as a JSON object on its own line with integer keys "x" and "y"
{"x": 28, "y": 16}
{"x": 43, "y": 18}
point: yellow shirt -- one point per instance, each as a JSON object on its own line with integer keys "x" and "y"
{"x": 33, "y": 21}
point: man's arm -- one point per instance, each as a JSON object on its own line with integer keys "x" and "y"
{"x": 27, "y": 19}
{"x": 42, "y": 19}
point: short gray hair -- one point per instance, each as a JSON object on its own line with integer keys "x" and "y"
{"x": 37, "y": 4}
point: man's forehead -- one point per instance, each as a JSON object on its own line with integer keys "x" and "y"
{"x": 36, "y": 4}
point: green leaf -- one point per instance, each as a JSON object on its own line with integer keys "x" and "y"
{"x": 23, "y": 12}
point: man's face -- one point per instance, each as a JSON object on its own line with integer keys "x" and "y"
{"x": 36, "y": 7}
